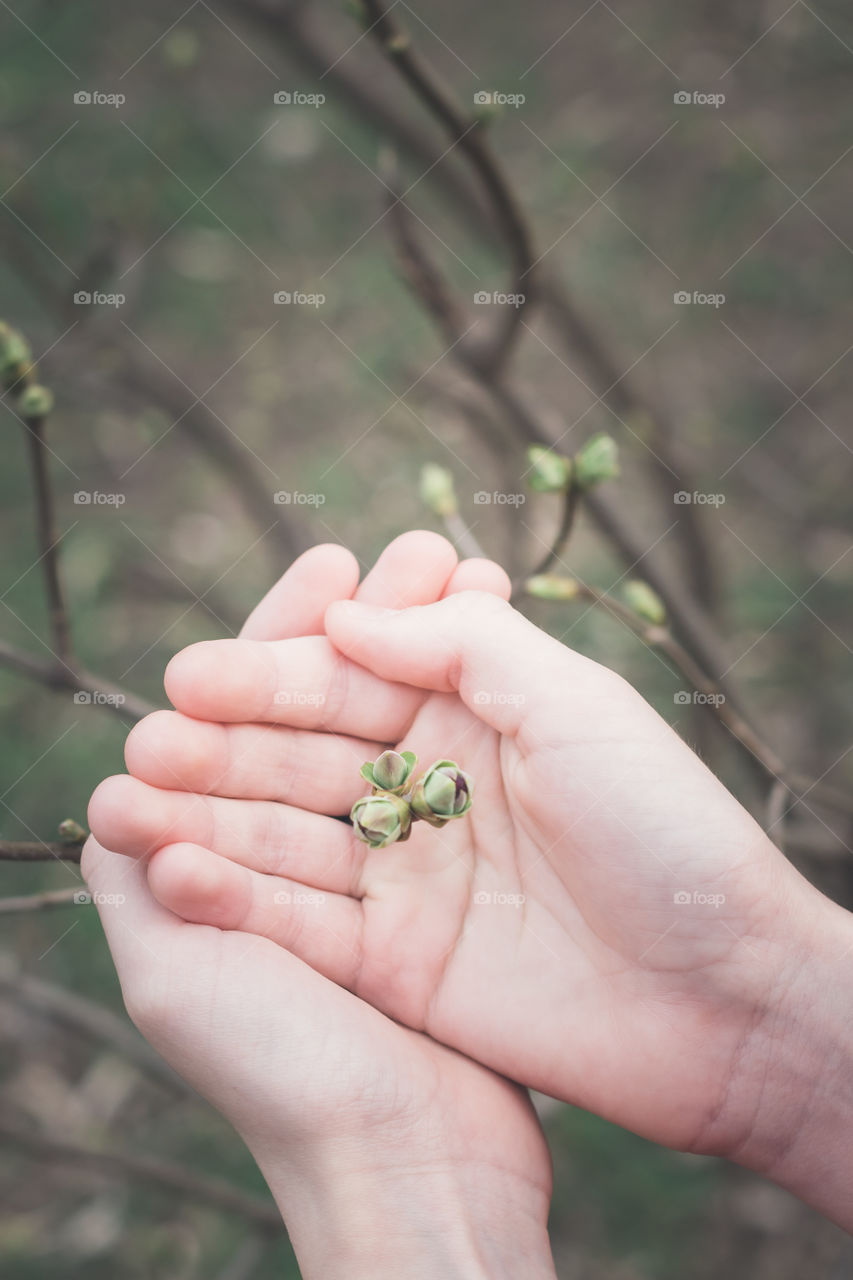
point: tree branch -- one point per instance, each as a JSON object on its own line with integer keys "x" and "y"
{"x": 39, "y": 851}
{"x": 169, "y": 1179}
{"x": 39, "y": 901}
{"x": 102, "y": 693}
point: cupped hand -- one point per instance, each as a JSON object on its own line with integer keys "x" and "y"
{"x": 313, "y": 1078}
{"x": 607, "y": 924}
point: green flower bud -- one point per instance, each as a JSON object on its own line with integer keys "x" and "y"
{"x": 35, "y": 402}
{"x": 381, "y": 819}
{"x": 70, "y": 832}
{"x": 444, "y": 792}
{"x": 437, "y": 490}
{"x": 391, "y": 771}
{"x": 597, "y": 460}
{"x": 16, "y": 358}
{"x": 551, "y": 586}
{"x": 645, "y": 602}
{"x": 549, "y": 472}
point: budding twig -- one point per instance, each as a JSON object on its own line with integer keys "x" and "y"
{"x": 48, "y": 540}
{"x": 39, "y": 851}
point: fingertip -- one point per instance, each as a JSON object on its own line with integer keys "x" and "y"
{"x": 294, "y": 605}
{"x": 193, "y": 883}
{"x": 219, "y": 679}
{"x": 480, "y": 574}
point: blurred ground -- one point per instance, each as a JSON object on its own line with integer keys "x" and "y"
{"x": 198, "y": 199}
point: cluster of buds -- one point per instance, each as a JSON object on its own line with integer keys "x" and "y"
{"x": 595, "y": 461}
{"x": 398, "y": 799}
{"x": 17, "y": 374}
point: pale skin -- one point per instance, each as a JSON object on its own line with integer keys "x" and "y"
{"x": 716, "y": 1024}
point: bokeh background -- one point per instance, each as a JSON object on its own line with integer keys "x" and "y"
{"x": 199, "y": 398}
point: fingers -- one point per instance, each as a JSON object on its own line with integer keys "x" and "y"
{"x": 305, "y": 683}
{"x": 413, "y": 569}
{"x": 324, "y": 929}
{"x": 316, "y": 771}
{"x": 127, "y": 909}
{"x": 296, "y": 604}
{"x": 471, "y": 642}
{"x": 478, "y": 575}
{"x": 134, "y": 819}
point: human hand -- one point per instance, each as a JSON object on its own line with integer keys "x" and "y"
{"x": 388, "y": 1153}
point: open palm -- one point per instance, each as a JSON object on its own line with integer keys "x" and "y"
{"x": 544, "y": 934}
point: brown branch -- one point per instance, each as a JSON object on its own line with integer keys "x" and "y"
{"x": 103, "y": 693}
{"x": 77, "y": 1013}
{"x": 554, "y": 554}
{"x": 466, "y": 134}
{"x": 169, "y": 1179}
{"x": 40, "y": 901}
{"x": 39, "y": 851}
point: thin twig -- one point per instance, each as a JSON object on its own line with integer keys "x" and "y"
{"x": 77, "y": 1013}
{"x": 170, "y": 1179}
{"x": 554, "y": 554}
{"x": 102, "y": 693}
{"x": 40, "y": 851}
{"x": 48, "y": 540}
{"x": 41, "y": 901}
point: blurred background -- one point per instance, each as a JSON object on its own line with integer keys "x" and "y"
{"x": 215, "y": 181}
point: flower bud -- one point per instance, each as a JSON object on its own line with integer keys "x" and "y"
{"x": 381, "y": 819}
{"x": 16, "y": 358}
{"x": 70, "y": 832}
{"x": 444, "y": 792}
{"x": 437, "y": 490}
{"x": 645, "y": 602}
{"x": 391, "y": 771}
{"x": 549, "y": 472}
{"x": 597, "y": 460}
{"x": 35, "y": 402}
{"x": 551, "y": 586}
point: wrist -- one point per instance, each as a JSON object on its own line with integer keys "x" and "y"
{"x": 788, "y": 1113}
{"x": 346, "y": 1217}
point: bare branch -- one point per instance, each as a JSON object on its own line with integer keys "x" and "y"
{"x": 104, "y": 694}
{"x": 39, "y": 851}
{"x": 169, "y": 1179}
{"x": 48, "y": 540}
{"x": 40, "y": 901}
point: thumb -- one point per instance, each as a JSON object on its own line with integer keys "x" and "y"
{"x": 473, "y": 644}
